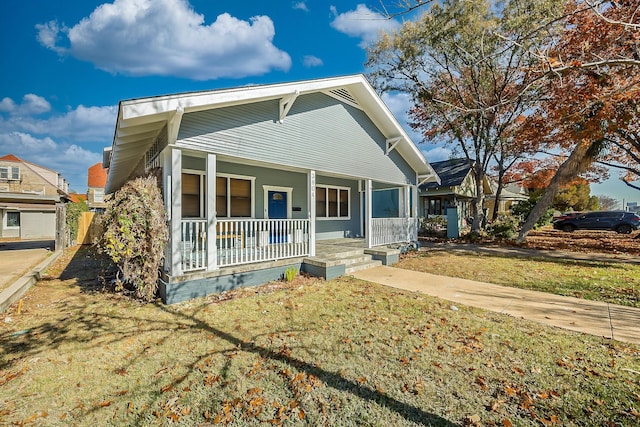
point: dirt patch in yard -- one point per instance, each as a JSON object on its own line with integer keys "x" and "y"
{"x": 583, "y": 241}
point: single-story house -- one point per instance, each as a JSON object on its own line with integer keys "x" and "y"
{"x": 457, "y": 187}
{"x": 256, "y": 179}
{"x": 511, "y": 194}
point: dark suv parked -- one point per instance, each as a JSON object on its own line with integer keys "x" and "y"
{"x": 618, "y": 221}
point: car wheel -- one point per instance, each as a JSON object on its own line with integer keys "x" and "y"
{"x": 568, "y": 228}
{"x": 624, "y": 229}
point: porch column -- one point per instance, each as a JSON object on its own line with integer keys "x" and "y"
{"x": 406, "y": 214}
{"x": 368, "y": 194}
{"x": 175, "y": 209}
{"x": 414, "y": 213}
{"x": 210, "y": 194}
{"x": 311, "y": 208}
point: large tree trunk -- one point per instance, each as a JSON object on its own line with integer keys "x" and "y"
{"x": 496, "y": 203}
{"x": 577, "y": 163}
{"x": 478, "y": 201}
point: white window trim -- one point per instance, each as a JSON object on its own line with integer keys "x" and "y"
{"x": 5, "y": 219}
{"x": 253, "y": 193}
{"x": 288, "y": 190}
{"x": 9, "y": 170}
{"x": 334, "y": 218}
{"x": 202, "y": 195}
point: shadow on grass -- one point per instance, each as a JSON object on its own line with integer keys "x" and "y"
{"x": 91, "y": 324}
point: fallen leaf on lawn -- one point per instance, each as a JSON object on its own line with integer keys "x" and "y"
{"x": 472, "y": 420}
{"x": 480, "y": 381}
{"x": 166, "y": 388}
{"x": 507, "y": 423}
{"x": 186, "y": 410}
{"x": 121, "y": 392}
{"x": 104, "y": 403}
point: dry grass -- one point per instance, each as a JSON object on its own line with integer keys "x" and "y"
{"x": 613, "y": 282}
{"x": 343, "y": 352}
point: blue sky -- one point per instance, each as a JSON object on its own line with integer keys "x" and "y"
{"x": 68, "y": 63}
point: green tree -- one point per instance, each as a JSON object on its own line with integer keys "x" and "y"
{"x": 74, "y": 210}
{"x": 575, "y": 197}
{"x": 467, "y": 66}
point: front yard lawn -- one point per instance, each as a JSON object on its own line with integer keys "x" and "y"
{"x": 613, "y": 282}
{"x": 343, "y": 352}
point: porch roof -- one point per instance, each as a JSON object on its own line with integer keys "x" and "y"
{"x": 140, "y": 121}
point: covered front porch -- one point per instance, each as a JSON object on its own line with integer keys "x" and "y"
{"x": 225, "y": 214}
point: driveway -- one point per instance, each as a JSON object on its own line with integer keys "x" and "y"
{"x": 19, "y": 257}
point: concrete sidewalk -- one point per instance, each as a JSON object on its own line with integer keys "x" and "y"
{"x": 21, "y": 264}
{"x": 589, "y": 317}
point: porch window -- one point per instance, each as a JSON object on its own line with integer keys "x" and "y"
{"x": 192, "y": 191}
{"x": 234, "y": 196}
{"x": 332, "y": 202}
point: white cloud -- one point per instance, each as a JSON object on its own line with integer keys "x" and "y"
{"x": 168, "y": 38}
{"x": 23, "y": 143}
{"x": 436, "y": 154}
{"x": 31, "y": 104}
{"x": 68, "y": 143}
{"x": 300, "y": 5}
{"x": 72, "y": 161}
{"x": 312, "y": 61}
{"x": 362, "y": 23}
{"x": 81, "y": 125}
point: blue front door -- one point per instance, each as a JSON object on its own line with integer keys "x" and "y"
{"x": 277, "y": 205}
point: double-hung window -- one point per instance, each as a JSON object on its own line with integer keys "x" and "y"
{"x": 332, "y": 202}
{"x": 193, "y": 195}
{"x": 10, "y": 173}
{"x": 234, "y": 196}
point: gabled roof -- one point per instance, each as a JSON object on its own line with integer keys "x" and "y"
{"x": 10, "y": 158}
{"x": 97, "y": 176}
{"x": 452, "y": 173}
{"x": 140, "y": 120}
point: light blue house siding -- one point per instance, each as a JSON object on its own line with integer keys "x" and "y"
{"x": 319, "y": 133}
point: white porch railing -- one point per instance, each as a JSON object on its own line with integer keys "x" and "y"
{"x": 243, "y": 241}
{"x": 386, "y": 231}
{"x": 193, "y": 240}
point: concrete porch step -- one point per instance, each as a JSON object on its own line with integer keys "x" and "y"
{"x": 351, "y": 268}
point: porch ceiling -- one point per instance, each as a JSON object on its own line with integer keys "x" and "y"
{"x": 140, "y": 120}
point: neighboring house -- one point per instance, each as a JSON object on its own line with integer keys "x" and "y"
{"x": 510, "y": 195}
{"x": 96, "y": 182}
{"x": 256, "y": 178}
{"x": 77, "y": 197}
{"x": 30, "y": 196}
{"x": 457, "y": 187}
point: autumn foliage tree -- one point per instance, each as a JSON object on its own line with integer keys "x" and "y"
{"x": 593, "y": 92}
{"x": 468, "y": 67}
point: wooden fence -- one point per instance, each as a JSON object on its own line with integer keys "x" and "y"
{"x": 89, "y": 228}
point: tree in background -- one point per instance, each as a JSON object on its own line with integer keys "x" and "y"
{"x": 594, "y": 88}
{"x": 576, "y": 197}
{"x": 608, "y": 203}
{"x": 469, "y": 68}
